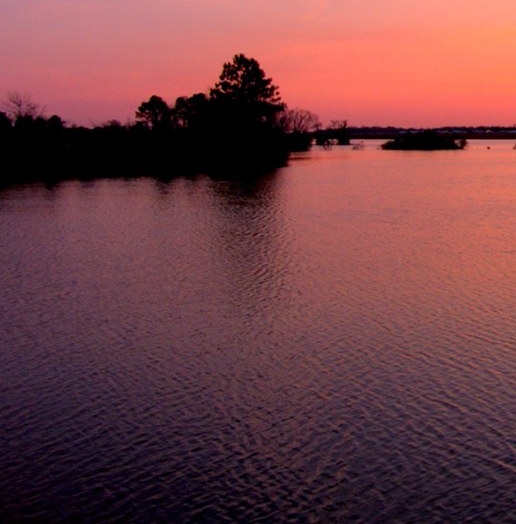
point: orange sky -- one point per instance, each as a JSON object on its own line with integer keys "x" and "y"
{"x": 372, "y": 62}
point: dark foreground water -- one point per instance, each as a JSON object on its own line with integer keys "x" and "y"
{"x": 333, "y": 343}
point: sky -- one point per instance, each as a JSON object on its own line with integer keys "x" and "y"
{"x": 371, "y": 62}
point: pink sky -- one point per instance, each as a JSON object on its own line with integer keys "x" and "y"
{"x": 371, "y": 62}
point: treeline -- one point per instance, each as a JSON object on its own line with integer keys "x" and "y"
{"x": 240, "y": 125}
{"x": 456, "y": 132}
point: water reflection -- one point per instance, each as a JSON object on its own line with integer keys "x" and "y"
{"x": 251, "y": 242}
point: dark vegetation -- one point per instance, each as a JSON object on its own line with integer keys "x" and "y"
{"x": 241, "y": 125}
{"x": 427, "y": 140}
{"x": 336, "y": 133}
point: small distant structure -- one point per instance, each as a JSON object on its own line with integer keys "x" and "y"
{"x": 426, "y": 140}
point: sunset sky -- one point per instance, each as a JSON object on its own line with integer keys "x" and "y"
{"x": 371, "y": 62}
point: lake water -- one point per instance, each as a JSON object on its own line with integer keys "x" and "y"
{"x": 335, "y": 342}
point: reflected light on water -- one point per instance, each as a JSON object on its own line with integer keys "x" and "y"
{"x": 332, "y": 342}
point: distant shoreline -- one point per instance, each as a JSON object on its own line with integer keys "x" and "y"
{"x": 459, "y": 132}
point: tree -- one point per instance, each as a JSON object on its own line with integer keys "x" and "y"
{"x": 336, "y": 132}
{"x": 243, "y": 89}
{"x": 234, "y": 125}
{"x": 299, "y": 126}
{"x": 298, "y": 121}
{"x": 154, "y": 113}
{"x": 340, "y": 131}
{"x": 243, "y": 80}
{"x": 20, "y": 105}
{"x": 190, "y": 112}
{"x": 338, "y": 124}
{"x": 55, "y": 124}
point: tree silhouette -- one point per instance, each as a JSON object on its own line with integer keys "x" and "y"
{"x": 244, "y": 81}
{"x": 244, "y": 91}
{"x": 20, "y": 105}
{"x": 298, "y": 121}
{"x": 190, "y": 112}
{"x": 299, "y": 126}
{"x": 154, "y": 113}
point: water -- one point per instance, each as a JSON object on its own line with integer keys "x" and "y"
{"x": 335, "y": 342}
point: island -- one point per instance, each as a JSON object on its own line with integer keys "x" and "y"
{"x": 427, "y": 140}
{"x": 239, "y": 127}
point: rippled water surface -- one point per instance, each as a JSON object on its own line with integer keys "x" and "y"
{"x": 335, "y": 342}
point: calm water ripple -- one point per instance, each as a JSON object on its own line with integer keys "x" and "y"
{"x": 334, "y": 342}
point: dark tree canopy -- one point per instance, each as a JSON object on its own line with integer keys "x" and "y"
{"x": 190, "y": 112}
{"x": 154, "y": 113}
{"x": 239, "y": 127}
{"x": 243, "y": 80}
